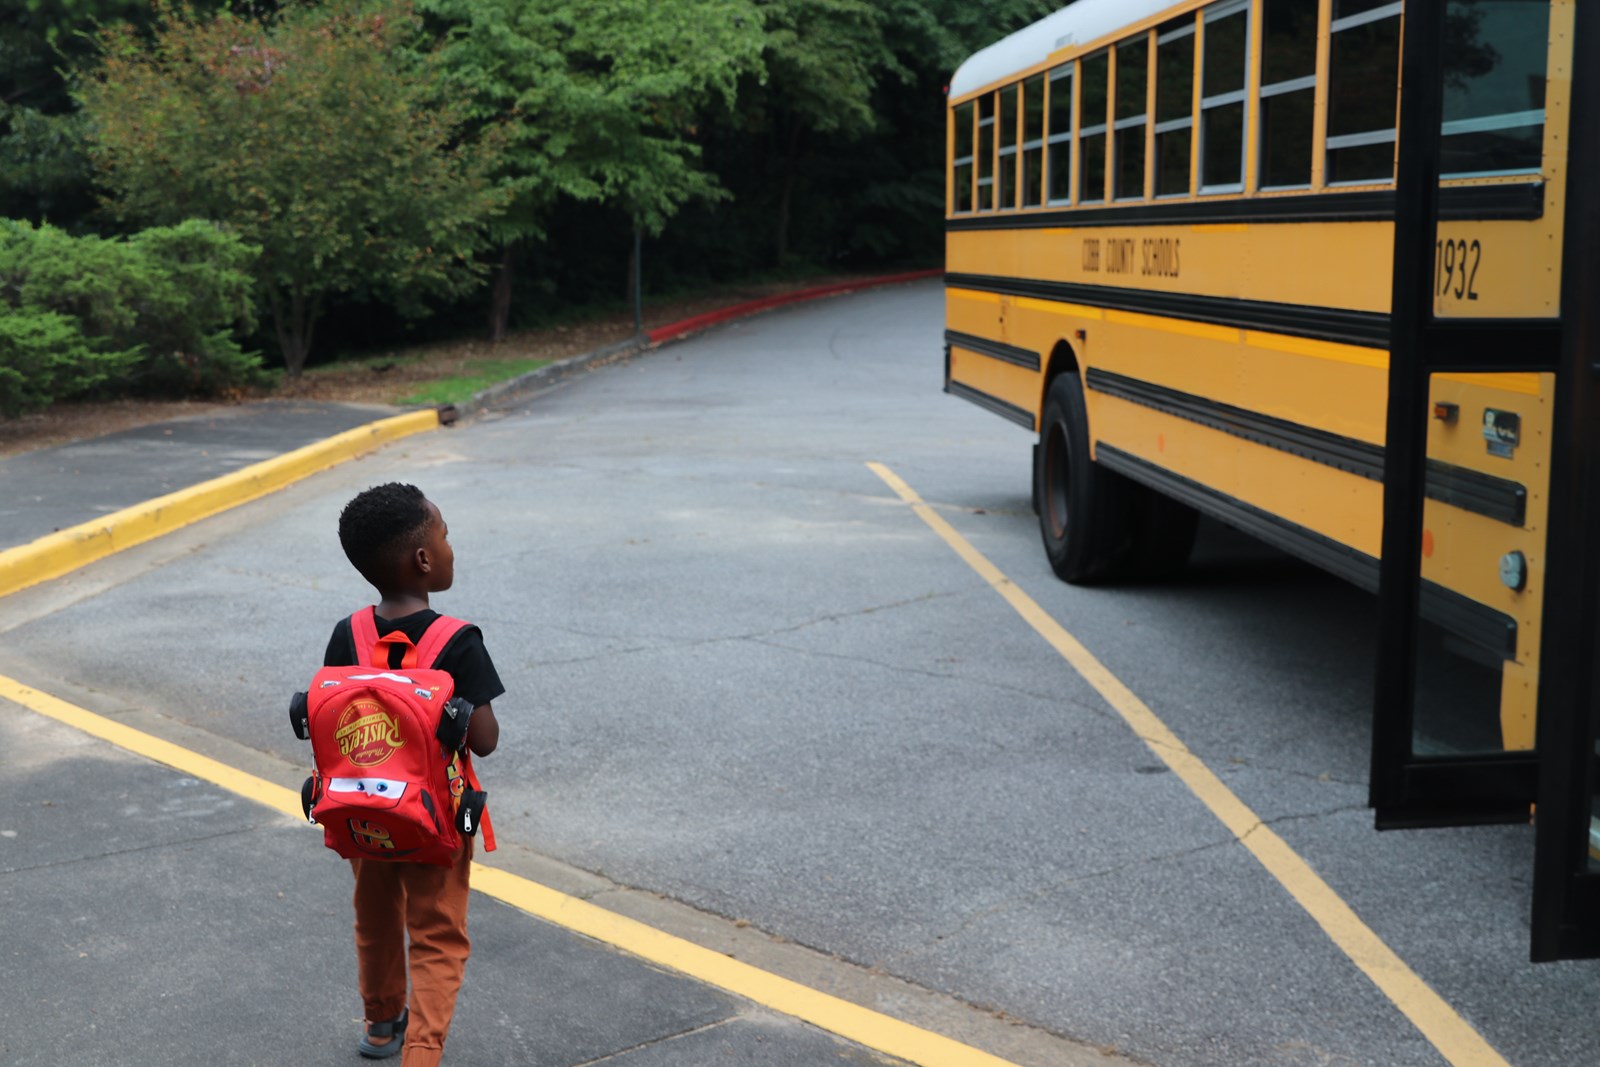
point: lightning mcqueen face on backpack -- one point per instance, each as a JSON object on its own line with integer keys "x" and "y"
{"x": 367, "y": 734}
{"x": 393, "y": 780}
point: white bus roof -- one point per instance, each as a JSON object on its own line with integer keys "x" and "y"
{"x": 1079, "y": 23}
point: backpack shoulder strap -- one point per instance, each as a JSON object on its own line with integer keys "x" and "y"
{"x": 364, "y": 635}
{"x": 440, "y": 633}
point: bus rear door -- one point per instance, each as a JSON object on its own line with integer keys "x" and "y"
{"x": 1489, "y": 585}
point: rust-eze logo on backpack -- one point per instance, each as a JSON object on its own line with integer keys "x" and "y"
{"x": 367, "y": 733}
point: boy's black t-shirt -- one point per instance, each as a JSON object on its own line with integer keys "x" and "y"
{"x": 465, "y": 658}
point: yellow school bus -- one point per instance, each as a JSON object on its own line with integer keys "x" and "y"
{"x": 1171, "y": 238}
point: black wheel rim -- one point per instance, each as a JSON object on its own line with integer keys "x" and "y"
{"x": 1055, "y": 481}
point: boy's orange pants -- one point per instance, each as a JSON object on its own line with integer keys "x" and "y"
{"x": 429, "y": 903}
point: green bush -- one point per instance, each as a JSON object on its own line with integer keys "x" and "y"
{"x": 153, "y": 313}
{"x": 45, "y": 355}
{"x": 200, "y": 292}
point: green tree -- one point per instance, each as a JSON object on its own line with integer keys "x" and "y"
{"x": 317, "y": 134}
{"x": 43, "y": 172}
{"x": 824, "y": 59}
{"x": 607, "y": 95}
{"x": 837, "y": 153}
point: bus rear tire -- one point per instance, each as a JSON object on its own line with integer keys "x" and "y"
{"x": 1085, "y": 511}
{"x": 1098, "y": 526}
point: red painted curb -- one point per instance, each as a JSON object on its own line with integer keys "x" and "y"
{"x": 699, "y": 322}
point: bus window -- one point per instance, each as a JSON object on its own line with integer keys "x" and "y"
{"x": 961, "y": 176}
{"x": 986, "y": 152}
{"x": 1092, "y": 128}
{"x": 1060, "y": 139}
{"x": 1033, "y": 141}
{"x": 1494, "y": 58}
{"x": 1133, "y": 86}
{"x": 1008, "y": 147}
{"x": 1363, "y": 76}
{"x": 1174, "y": 107}
{"x": 1226, "y": 46}
{"x": 1288, "y": 92}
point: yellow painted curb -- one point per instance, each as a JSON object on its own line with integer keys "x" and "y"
{"x": 66, "y": 550}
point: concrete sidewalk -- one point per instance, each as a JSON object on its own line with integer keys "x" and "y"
{"x": 52, "y": 489}
{"x": 157, "y": 919}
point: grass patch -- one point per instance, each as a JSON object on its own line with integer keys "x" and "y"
{"x": 477, "y": 374}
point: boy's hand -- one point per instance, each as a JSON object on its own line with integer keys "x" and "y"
{"x": 483, "y": 732}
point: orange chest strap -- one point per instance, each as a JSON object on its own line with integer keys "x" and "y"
{"x": 374, "y": 651}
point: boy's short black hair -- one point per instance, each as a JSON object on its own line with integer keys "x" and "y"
{"x": 378, "y": 524}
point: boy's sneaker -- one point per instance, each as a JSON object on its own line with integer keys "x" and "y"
{"x": 394, "y": 1030}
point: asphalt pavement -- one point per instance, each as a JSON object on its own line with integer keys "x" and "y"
{"x": 154, "y": 918}
{"x": 745, "y": 681}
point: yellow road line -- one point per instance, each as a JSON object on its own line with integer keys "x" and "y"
{"x": 154, "y": 748}
{"x": 66, "y": 550}
{"x": 875, "y": 1030}
{"x": 1452, "y": 1035}
{"x": 862, "y": 1025}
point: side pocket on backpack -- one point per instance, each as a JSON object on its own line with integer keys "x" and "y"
{"x": 299, "y": 716}
{"x": 454, "y": 720}
{"x": 470, "y": 813}
{"x": 310, "y": 793}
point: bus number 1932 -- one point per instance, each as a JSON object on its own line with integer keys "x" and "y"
{"x": 1455, "y": 268}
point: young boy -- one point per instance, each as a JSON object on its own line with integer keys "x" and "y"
{"x": 399, "y": 542}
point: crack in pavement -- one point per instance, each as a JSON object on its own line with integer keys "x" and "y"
{"x": 1342, "y": 809}
{"x": 690, "y": 1032}
{"x": 754, "y": 636}
{"x": 1323, "y": 777}
{"x": 153, "y": 846}
{"x": 1100, "y": 712}
{"x": 1041, "y": 892}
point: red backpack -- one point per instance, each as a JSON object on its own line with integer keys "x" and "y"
{"x": 393, "y": 779}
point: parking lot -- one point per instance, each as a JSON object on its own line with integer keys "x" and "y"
{"x": 757, "y": 702}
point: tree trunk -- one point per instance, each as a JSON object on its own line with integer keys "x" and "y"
{"x": 791, "y": 163}
{"x": 500, "y": 302}
{"x": 293, "y": 320}
{"x": 635, "y": 282}
{"x": 633, "y": 270}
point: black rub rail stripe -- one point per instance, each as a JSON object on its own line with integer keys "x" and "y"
{"x": 1330, "y": 449}
{"x": 1492, "y": 631}
{"x": 1366, "y": 328}
{"x": 991, "y": 403}
{"x": 1521, "y": 202}
{"x": 1484, "y": 494}
{"x": 1022, "y": 357}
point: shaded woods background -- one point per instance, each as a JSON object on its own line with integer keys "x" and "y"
{"x": 800, "y": 137}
